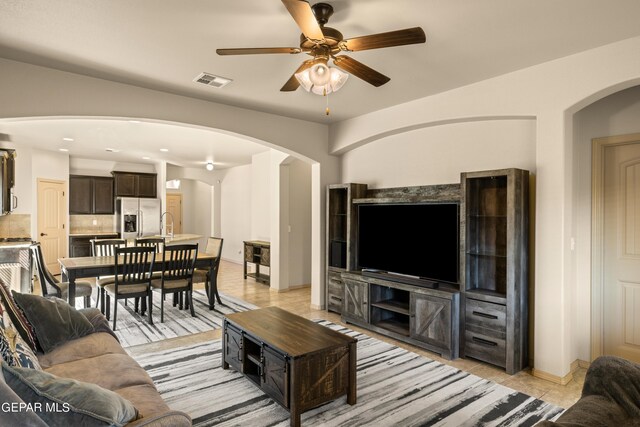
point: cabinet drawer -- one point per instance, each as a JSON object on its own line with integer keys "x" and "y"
{"x": 486, "y": 315}
{"x": 482, "y": 346}
{"x": 335, "y": 285}
{"x": 334, "y": 304}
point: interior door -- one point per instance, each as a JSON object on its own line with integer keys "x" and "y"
{"x": 52, "y": 222}
{"x": 621, "y": 249}
{"x": 174, "y": 206}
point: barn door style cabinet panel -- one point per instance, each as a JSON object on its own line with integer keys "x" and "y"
{"x": 494, "y": 266}
{"x": 341, "y": 238}
{"x": 424, "y": 317}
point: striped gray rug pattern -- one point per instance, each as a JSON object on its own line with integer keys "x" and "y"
{"x": 133, "y": 329}
{"x": 395, "y": 388}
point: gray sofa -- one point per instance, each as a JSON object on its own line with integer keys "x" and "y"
{"x": 99, "y": 359}
{"x": 610, "y": 397}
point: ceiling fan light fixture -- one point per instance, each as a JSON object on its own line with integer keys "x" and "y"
{"x": 319, "y": 74}
{"x": 336, "y": 79}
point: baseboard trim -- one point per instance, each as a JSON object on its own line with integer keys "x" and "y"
{"x": 293, "y": 288}
{"x": 316, "y": 307}
{"x": 561, "y": 380}
{"x": 553, "y": 378}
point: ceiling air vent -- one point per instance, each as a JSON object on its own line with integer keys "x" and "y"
{"x": 212, "y": 80}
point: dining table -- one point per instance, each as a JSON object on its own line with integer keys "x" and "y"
{"x": 96, "y": 266}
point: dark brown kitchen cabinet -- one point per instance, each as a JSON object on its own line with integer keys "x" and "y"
{"x": 80, "y": 245}
{"x": 90, "y": 195}
{"x": 134, "y": 184}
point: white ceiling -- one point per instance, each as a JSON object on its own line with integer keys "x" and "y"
{"x": 132, "y": 140}
{"x": 165, "y": 45}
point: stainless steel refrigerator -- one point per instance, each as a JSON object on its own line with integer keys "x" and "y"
{"x": 137, "y": 217}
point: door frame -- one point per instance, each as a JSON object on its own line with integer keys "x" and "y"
{"x": 598, "y": 148}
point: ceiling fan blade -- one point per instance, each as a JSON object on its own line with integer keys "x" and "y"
{"x": 293, "y": 83}
{"x": 301, "y": 12}
{"x": 392, "y": 38}
{"x": 360, "y": 70}
{"x": 257, "y": 50}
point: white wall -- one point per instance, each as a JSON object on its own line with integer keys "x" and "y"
{"x": 438, "y": 154}
{"x": 261, "y": 197}
{"x": 235, "y": 215}
{"x": 202, "y": 211}
{"x": 550, "y": 93}
{"x": 617, "y": 114}
{"x": 299, "y": 223}
{"x": 79, "y": 166}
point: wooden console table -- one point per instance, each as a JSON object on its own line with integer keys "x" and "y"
{"x": 297, "y": 362}
{"x": 257, "y": 252}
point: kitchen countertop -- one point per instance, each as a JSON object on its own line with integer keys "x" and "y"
{"x": 176, "y": 238}
{"x": 91, "y": 233}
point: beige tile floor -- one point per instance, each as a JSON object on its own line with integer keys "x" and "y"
{"x": 231, "y": 282}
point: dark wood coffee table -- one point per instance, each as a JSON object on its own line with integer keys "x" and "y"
{"x": 297, "y": 362}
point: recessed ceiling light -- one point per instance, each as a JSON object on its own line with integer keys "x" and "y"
{"x": 164, "y": 150}
{"x": 63, "y": 149}
{"x": 111, "y": 150}
{"x": 146, "y": 158}
{"x": 68, "y": 139}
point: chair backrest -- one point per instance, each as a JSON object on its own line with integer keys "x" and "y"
{"x": 214, "y": 247}
{"x": 106, "y": 247}
{"x": 153, "y": 242}
{"x": 134, "y": 265}
{"x": 48, "y": 283}
{"x": 179, "y": 261}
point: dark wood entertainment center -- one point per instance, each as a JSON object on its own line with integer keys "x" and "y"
{"x": 485, "y": 314}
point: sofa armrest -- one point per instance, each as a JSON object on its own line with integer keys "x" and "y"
{"x": 166, "y": 419}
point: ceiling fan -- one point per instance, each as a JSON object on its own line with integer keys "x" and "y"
{"x": 325, "y": 43}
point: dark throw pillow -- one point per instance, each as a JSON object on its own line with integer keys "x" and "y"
{"x": 53, "y": 319}
{"x": 20, "y": 322}
{"x": 63, "y": 402}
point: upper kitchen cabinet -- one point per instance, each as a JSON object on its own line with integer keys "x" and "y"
{"x": 90, "y": 195}
{"x": 133, "y": 184}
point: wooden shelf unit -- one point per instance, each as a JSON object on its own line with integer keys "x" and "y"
{"x": 257, "y": 252}
{"x": 494, "y": 267}
{"x": 341, "y": 238}
{"x": 424, "y": 317}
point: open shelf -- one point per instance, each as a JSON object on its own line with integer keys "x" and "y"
{"x": 394, "y": 325}
{"x": 401, "y": 307}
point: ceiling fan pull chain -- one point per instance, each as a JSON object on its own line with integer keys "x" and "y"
{"x": 327, "y": 111}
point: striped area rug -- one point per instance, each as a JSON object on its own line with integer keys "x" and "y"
{"x": 133, "y": 329}
{"x": 395, "y": 388}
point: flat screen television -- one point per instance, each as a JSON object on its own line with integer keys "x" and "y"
{"x": 419, "y": 240}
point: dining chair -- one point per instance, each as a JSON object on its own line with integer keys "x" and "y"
{"x": 133, "y": 279}
{"x": 178, "y": 263}
{"x": 51, "y": 286}
{"x": 105, "y": 247}
{"x": 214, "y": 247}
